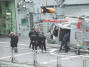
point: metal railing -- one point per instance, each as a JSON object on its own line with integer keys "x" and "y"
{"x": 9, "y": 64}
{"x": 73, "y": 61}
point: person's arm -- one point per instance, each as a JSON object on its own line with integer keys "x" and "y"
{"x": 17, "y": 38}
{"x": 10, "y": 35}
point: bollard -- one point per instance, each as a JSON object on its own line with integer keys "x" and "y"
{"x": 58, "y": 59}
{"x": 57, "y": 62}
{"x": 84, "y": 62}
{"x": 12, "y": 57}
{"x": 35, "y": 58}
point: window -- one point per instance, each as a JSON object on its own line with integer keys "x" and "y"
{"x": 25, "y": 22}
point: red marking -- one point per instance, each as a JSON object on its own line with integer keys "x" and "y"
{"x": 87, "y": 30}
{"x": 54, "y": 20}
{"x": 79, "y": 25}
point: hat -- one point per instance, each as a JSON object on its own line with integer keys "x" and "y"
{"x": 11, "y": 32}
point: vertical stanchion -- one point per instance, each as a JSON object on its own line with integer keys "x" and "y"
{"x": 59, "y": 59}
{"x": 12, "y": 57}
{"x": 84, "y": 62}
{"x": 57, "y": 62}
{"x": 35, "y": 58}
{"x": 78, "y": 51}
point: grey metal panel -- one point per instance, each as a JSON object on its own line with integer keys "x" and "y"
{"x": 47, "y": 2}
{"x": 76, "y": 1}
{"x": 77, "y": 10}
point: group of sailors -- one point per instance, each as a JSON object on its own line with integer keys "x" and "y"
{"x": 37, "y": 39}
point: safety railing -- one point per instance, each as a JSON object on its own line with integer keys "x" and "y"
{"x": 73, "y": 61}
{"x": 9, "y": 64}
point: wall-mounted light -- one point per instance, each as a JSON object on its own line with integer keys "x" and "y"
{"x": 8, "y": 13}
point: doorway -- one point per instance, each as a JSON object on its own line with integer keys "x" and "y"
{"x": 62, "y": 32}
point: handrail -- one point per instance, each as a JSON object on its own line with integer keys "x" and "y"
{"x": 7, "y": 63}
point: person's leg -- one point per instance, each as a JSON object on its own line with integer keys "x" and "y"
{"x": 66, "y": 47}
{"x": 13, "y": 55}
{"x": 62, "y": 44}
{"x": 15, "y": 49}
{"x": 30, "y": 44}
{"x": 39, "y": 45}
{"x": 36, "y": 45}
{"x": 12, "y": 50}
{"x": 44, "y": 46}
{"x": 33, "y": 45}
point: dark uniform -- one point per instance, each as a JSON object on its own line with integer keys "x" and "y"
{"x": 64, "y": 42}
{"x": 39, "y": 41}
{"x": 55, "y": 32}
{"x": 42, "y": 42}
{"x": 30, "y": 33}
{"x": 34, "y": 41}
{"x": 14, "y": 41}
{"x": 33, "y": 37}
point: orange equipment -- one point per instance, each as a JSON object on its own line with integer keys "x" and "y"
{"x": 47, "y": 10}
